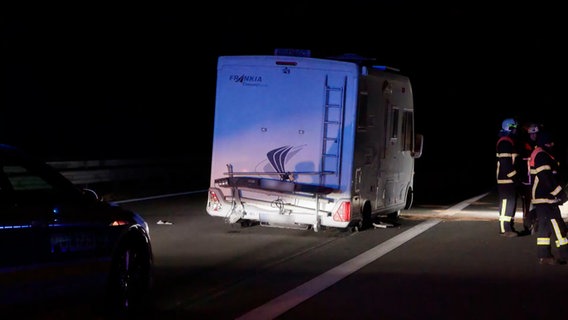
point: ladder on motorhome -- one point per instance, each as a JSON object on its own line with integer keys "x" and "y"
{"x": 334, "y": 111}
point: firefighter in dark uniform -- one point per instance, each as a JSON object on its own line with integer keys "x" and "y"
{"x": 526, "y": 144}
{"x": 547, "y": 196}
{"x": 507, "y": 177}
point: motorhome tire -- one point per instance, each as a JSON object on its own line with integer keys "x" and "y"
{"x": 394, "y": 215}
{"x": 409, "y": 199}
{"x": 366, "y": 217}
{"x": 248, "y": 223}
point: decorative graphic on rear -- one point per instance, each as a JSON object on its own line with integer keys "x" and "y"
{"x": 279, "y": 157}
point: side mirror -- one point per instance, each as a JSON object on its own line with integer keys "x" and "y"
{"x": 418, "y": 145}
{"x": 90, "y": 193}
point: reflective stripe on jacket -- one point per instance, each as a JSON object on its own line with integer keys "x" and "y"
{"x": 506, "y": 155}
{"x": 544, "y": 169}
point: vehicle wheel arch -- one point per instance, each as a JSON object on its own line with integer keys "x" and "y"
{"x": 365, "y": 216}
{"x": 130, "y": 278}
{"x": 409, "y": 198}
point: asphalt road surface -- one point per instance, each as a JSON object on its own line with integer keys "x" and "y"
{"x": 433, "y": 263}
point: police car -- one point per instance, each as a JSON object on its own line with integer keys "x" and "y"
{"x": 64, "y": 248}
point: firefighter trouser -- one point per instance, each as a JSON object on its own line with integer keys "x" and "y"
{"x": 529, "y": 214}
{"x": 551, "y": 227}
{"x": 507, "y": 206}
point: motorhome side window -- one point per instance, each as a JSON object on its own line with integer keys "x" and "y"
{"x": 407, "y": 130}
{"x": 362, "y": 111}
{"x": 394, "y": 122}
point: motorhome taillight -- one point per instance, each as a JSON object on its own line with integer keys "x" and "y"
{"x": 343, "y": 212}
{"x": 214, "y": 204}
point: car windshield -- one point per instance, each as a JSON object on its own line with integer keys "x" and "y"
{"x": 19, "y": 175}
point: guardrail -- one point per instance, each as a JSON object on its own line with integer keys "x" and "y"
{"x": 165, "y": 172}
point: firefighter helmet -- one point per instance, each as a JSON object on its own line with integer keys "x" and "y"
{"x": 533, "y": 128}
{"x": 509, "y": 124}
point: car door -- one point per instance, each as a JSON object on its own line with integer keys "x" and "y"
{"x": 24, "y": 239}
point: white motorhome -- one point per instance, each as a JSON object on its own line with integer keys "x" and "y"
{"x": 302, "y": 142}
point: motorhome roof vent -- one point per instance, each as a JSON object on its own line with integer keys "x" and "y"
{"x": 292, "y": 52}
{"x": 353, "y": 57}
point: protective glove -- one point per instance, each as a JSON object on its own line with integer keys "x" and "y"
{"x": 562, "y": 197}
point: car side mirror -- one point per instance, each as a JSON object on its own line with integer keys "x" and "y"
{"x": 90, "y": 193}
{"x": 418, "y": 145}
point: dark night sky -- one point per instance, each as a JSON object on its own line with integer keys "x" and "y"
{"x": 136, "y": 81}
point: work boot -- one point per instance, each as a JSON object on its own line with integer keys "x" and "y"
{"x": 551, "y": 261}
{"x": 525, "y": 232}
{"x": 509, "y": 234}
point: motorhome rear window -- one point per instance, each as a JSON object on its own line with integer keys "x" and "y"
{"x": 286, "y": 63}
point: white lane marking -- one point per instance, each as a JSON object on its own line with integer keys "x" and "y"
{"x": 294, "y": 297}
{"x": 460, "y": 206}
